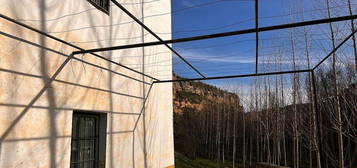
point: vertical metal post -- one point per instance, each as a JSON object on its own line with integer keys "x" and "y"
{"x": 256, "y": 35}
{"x": 353, "y": 29}
{"x": 133, "y": 146}
{"x": 143, "y": 79}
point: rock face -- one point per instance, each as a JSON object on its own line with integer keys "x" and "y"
{"x": 194, "y": 95}
{"x": 201, "y": 113}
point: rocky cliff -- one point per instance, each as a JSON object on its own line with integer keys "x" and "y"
{"x": 195, "y": 95}
{"x": 203, "y": 112}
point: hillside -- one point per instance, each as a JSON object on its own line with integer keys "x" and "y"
{"x": 195, "y": 95}
{"x": 201, "y": 112}
{"x": 209, "y": 124}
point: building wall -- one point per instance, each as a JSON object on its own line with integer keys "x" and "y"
{"x": 36, "y": 114}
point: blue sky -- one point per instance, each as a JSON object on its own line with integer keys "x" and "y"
{"x": 236, "y": 54}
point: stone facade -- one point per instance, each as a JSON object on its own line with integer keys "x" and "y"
{"x": 41, "y": 87}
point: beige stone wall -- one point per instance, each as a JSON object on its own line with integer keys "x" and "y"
{"x": 35, "y": 126}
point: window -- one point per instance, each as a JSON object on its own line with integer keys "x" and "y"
{"x": 88, "y": 140}
{"x": 102, "y": 5}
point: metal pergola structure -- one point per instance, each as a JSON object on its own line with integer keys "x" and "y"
{"x": 160, "y": 41}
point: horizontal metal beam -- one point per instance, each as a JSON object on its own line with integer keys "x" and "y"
{"x": 335, "y": 49}
{"x": 155, "y": 35}
{"x": 69, "y": 44}
{"x": 225, "y": 34}
{"x": 235, "y": 76}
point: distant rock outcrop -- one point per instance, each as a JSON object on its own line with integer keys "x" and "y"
{"x": 195, "y": 95}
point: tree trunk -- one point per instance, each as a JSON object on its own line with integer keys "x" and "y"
{"x": 336, "y": 92}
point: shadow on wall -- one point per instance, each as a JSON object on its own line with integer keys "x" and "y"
{"x": 48, "y": 89}
{"x": 50, "y": 93}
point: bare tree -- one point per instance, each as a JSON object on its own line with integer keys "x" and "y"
{"x": 336, "y": 94}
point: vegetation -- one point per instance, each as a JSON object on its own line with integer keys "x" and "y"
{"x": 181, "y": 161}
{"x": 295, "y": 120}
{"x": 191, "y": 97}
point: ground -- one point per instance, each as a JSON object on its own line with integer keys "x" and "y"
{"x": 182, "y": 161}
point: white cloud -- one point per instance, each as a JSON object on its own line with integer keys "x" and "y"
{"x": 187, "y": 3}
{"x": 216, "y": 58}
{"x": 244, "y": 59}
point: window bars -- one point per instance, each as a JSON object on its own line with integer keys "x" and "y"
{"x": 102, "y": 5}
{"x": 85, "y": 140}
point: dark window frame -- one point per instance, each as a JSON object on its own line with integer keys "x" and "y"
{"x": 97, "y": 139}
{"x": 105, "y": 9}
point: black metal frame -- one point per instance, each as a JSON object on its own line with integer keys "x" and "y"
{"x": 160, "y": 41}
{"x": 188, "y": 39}
{"x": 235, "y": 76}
{"x": 224, "y": 34}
